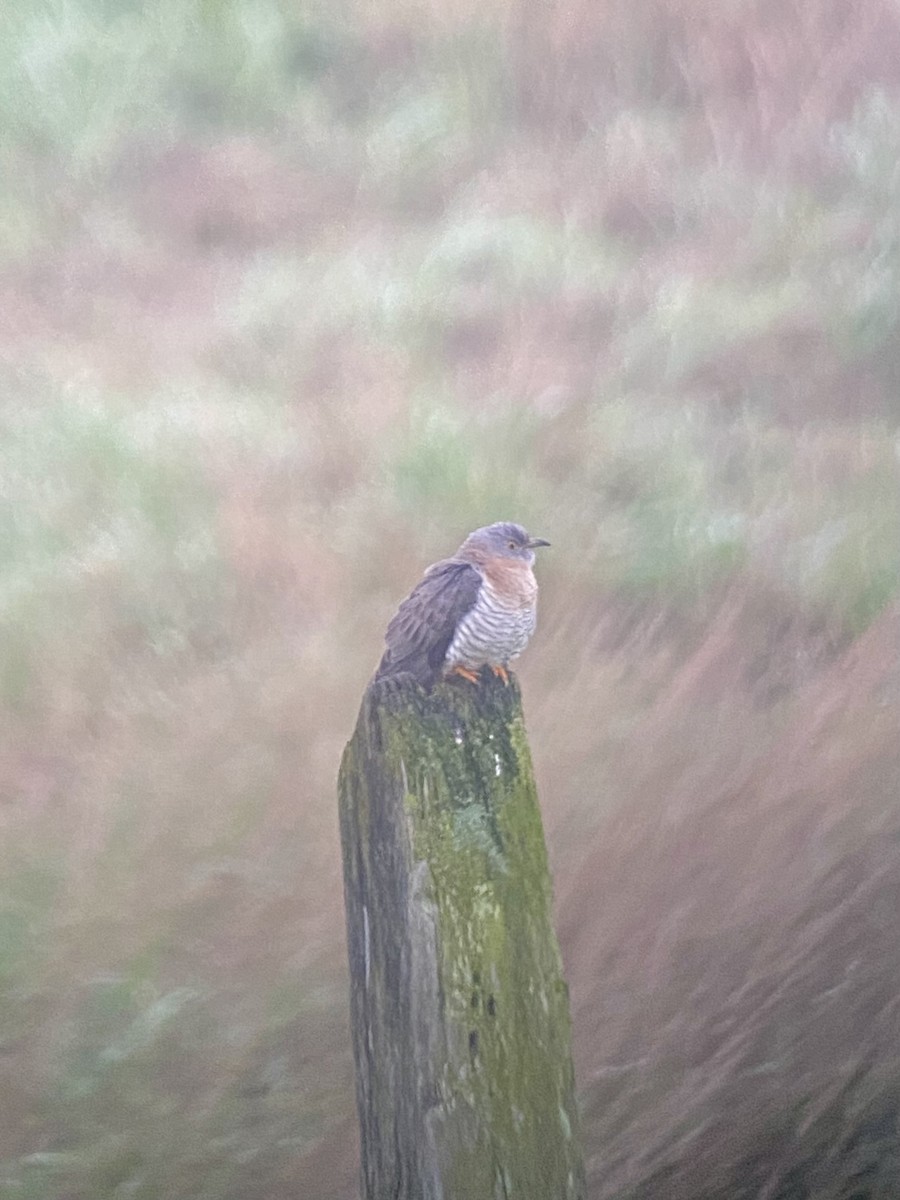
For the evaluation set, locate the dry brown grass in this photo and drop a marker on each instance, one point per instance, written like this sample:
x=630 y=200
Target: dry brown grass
x=750 y=71
x=731 y=936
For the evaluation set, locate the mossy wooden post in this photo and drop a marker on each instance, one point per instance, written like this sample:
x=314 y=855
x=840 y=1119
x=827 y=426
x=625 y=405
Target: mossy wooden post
x=459 y=1010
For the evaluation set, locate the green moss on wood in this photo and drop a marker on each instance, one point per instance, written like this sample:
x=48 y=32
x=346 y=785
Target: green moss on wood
x=461 y=1018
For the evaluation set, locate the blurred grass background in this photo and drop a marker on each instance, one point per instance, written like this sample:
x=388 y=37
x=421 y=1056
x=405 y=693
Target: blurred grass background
x=294 y=295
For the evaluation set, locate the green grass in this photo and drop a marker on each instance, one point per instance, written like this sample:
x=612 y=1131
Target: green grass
x=294 y=298
x=105 y=523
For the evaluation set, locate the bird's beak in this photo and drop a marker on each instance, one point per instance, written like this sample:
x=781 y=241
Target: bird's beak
x=533 y=543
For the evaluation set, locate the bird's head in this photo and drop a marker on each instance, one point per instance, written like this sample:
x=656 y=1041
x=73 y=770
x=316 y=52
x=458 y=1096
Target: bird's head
x=501 y=540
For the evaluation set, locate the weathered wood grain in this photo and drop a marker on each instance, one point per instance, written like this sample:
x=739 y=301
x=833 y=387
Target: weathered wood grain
x=459 y=1010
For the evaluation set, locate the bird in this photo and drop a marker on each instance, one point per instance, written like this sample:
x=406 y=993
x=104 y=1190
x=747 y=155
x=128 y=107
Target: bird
x=477 y=608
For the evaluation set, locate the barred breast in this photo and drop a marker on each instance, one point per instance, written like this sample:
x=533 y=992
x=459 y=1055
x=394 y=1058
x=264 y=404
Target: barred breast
x=495 y=630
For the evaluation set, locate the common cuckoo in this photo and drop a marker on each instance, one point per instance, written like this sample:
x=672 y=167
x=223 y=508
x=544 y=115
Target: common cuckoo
x=475 y=609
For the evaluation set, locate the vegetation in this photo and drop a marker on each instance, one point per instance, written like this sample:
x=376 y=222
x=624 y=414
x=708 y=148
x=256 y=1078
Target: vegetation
x=293 y=297
x=460 y=1015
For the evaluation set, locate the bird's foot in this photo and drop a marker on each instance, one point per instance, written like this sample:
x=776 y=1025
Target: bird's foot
x=501 y=672
x=472 y=676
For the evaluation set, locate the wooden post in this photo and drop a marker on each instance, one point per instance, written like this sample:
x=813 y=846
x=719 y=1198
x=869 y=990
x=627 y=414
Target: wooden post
x=459 y=1010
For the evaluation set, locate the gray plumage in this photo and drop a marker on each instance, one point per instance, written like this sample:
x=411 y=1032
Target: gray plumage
x=478 y=607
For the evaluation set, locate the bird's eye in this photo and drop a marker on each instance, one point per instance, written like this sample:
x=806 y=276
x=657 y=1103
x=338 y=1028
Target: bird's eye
x=513 y=545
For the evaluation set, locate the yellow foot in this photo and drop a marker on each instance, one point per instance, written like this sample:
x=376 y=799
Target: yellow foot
x=472 y=676
x=501 y=673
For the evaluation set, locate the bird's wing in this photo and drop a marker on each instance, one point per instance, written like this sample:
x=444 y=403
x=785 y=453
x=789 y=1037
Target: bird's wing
x=422 y=629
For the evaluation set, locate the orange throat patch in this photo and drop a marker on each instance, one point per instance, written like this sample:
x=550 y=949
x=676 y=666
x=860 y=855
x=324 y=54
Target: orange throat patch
x=513 y=580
